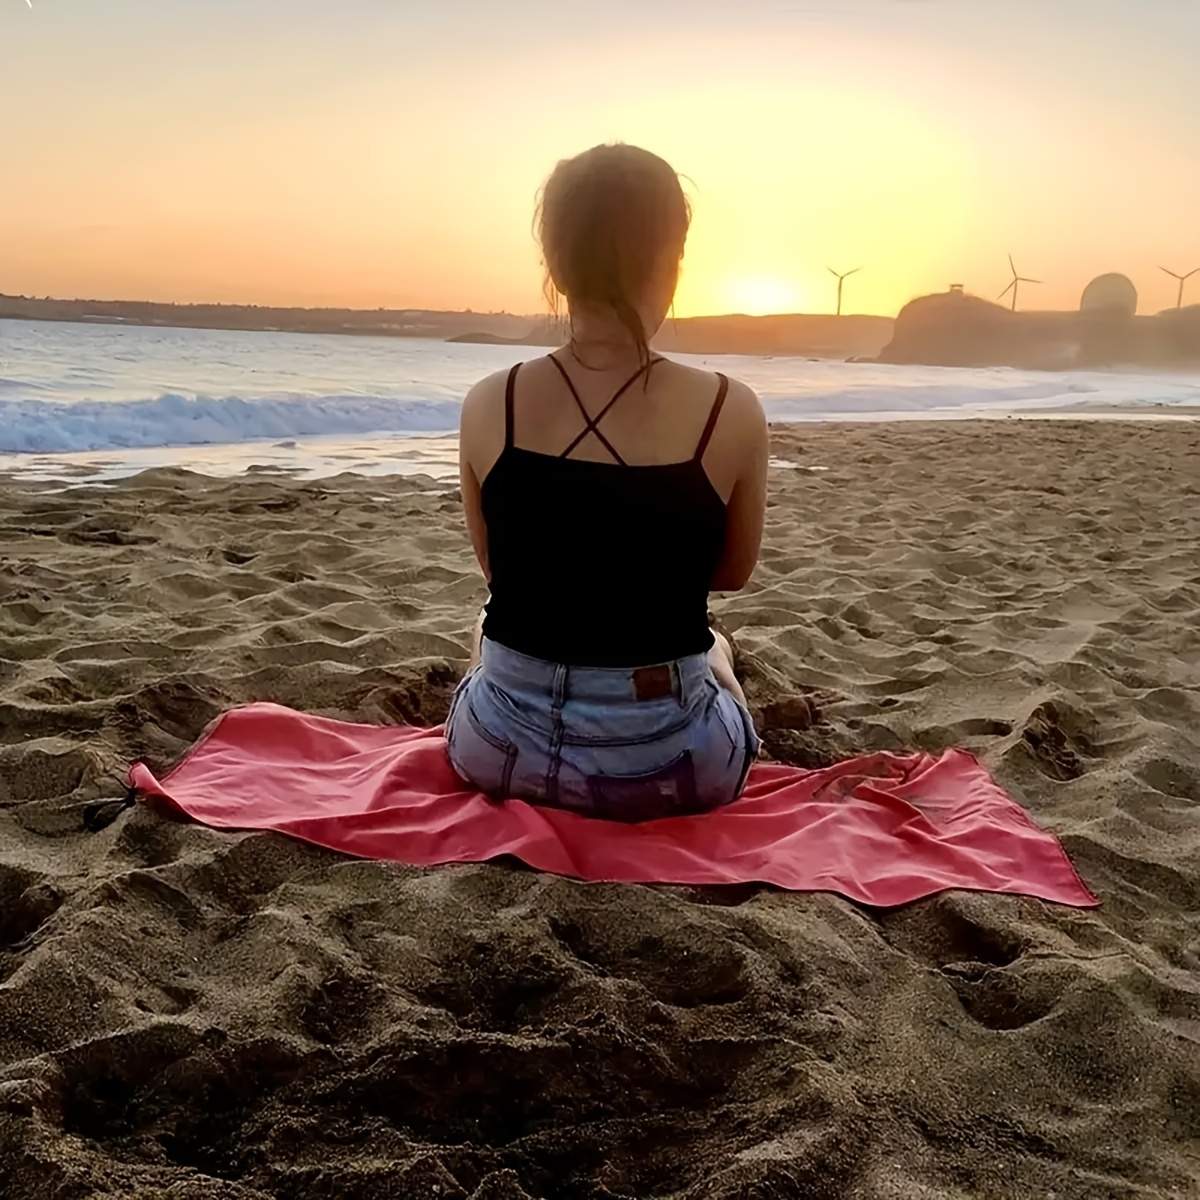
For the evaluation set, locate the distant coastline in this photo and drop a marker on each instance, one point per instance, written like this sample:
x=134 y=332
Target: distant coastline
x=944 y=329
x=380 y=322
x=802 y=335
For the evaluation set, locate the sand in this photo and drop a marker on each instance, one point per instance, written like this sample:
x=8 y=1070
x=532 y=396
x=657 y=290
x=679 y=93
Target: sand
x=201 y=1015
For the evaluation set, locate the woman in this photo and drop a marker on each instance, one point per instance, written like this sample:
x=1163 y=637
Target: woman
x=607 y=490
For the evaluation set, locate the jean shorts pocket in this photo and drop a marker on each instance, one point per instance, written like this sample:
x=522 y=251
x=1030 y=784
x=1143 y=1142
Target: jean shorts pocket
x=481 y=758
x=669 y=791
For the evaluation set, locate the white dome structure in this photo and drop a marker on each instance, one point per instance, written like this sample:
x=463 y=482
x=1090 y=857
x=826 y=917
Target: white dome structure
x=1111 y=294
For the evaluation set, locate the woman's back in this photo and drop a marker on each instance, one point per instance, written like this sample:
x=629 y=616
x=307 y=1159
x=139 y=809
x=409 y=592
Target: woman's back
x=605 y=505
x=604 y=562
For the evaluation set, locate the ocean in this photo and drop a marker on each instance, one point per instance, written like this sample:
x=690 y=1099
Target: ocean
x=84 y=400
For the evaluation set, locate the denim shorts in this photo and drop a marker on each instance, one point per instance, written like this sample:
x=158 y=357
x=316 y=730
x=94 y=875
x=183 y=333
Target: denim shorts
x=623 y=744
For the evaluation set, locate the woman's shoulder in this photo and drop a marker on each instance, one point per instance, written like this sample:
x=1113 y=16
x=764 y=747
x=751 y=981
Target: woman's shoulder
x=488 y=388
x=703 y=379
x=740 y=402
x=484 y=401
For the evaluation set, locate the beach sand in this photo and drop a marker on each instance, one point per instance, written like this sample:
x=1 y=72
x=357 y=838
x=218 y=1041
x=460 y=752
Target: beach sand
x=196 y=1015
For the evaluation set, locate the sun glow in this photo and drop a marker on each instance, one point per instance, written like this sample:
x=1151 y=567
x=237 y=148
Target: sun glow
x=761 y=295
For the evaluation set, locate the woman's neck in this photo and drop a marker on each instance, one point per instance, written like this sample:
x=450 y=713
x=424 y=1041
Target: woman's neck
x=601 y=343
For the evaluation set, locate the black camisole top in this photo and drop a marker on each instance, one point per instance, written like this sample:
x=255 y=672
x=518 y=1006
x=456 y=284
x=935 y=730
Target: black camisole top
x=601 y=564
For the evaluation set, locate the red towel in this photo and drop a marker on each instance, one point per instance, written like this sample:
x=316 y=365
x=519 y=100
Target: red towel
x=883 y=830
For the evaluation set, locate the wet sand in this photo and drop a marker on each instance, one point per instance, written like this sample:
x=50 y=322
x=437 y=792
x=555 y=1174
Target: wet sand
x=201 y=1015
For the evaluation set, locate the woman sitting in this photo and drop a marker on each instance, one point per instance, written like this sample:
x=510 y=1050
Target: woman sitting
x=607 y=491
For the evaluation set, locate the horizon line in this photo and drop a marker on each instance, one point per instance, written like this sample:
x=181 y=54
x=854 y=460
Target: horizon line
x=456 y=312
x=467 y=312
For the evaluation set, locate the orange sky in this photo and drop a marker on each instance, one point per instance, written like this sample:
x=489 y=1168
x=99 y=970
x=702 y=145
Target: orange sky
x=374 y=153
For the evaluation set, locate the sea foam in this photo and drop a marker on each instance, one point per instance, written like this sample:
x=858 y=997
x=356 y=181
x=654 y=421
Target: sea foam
x=49 y=427
x=84 y=388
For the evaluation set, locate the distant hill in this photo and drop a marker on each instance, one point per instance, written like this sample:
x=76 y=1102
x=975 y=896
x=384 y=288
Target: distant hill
x=951 y=329
x=798 y=334
x=805 y=334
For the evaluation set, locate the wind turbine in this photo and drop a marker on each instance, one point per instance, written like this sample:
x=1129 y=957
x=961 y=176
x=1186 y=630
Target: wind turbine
x=1015 y=286
x=841 y=279
x=1182 y=280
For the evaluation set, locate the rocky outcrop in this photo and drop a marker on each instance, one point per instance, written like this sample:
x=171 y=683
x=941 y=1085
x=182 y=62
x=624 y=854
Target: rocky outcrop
x=957 y=330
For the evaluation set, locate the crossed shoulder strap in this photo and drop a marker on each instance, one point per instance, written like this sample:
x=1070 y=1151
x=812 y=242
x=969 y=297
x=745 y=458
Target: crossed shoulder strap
x=591 y=423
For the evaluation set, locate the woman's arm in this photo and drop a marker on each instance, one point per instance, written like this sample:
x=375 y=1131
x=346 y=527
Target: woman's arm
x=748 y=444
x=479 y=441
x=473 y=511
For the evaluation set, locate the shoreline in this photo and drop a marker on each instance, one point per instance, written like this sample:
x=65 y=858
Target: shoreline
x=435 y=455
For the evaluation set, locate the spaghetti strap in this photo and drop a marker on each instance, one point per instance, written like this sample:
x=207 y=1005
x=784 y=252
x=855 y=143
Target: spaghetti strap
x=722 y=390
x=510 y=391
x=567 y=380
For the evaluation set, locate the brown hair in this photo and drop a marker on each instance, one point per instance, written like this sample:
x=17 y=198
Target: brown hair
x=607 y=219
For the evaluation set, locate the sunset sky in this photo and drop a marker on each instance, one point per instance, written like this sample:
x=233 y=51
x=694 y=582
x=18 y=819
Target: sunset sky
x=387 y=152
